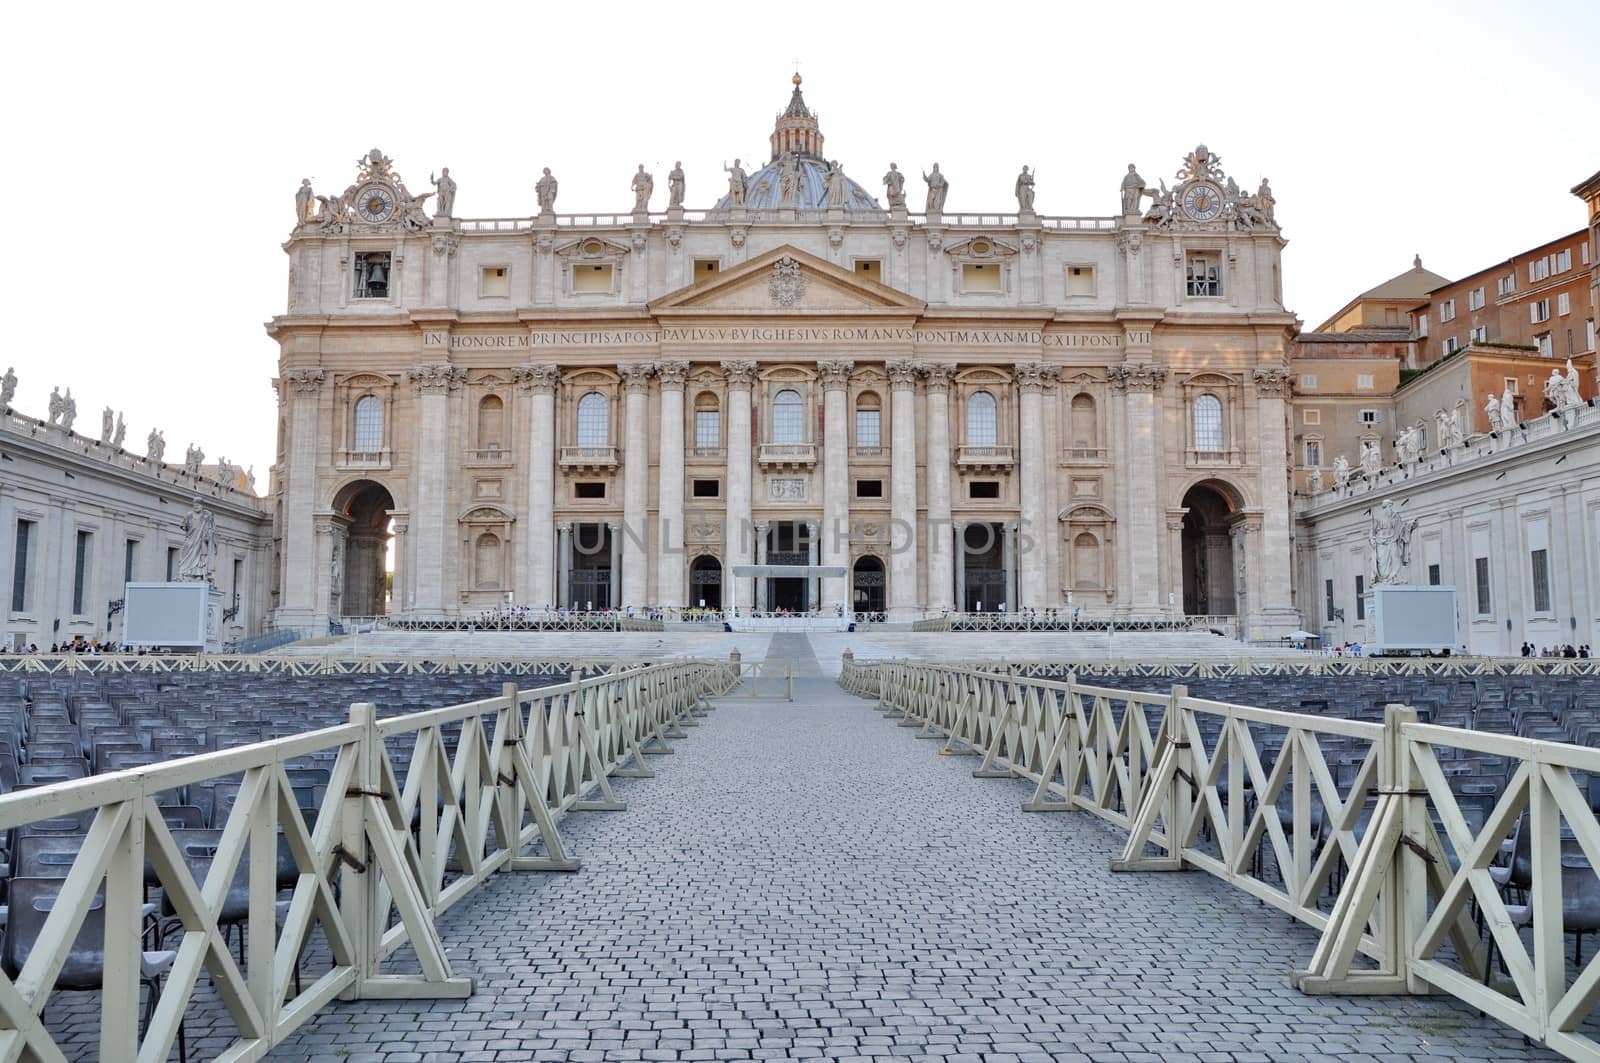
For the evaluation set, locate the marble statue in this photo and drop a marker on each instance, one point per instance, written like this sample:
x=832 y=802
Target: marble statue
x=1405 y=446
x=303 y=198
x=545 y=189
x=835 y=185
x=894 y=182
x=56 y=405
x=1457 y=428
x=108 y=424
x=224 y=472
x=197 y=556
x=1132 y=191
x=938 y=188
x=192 y=459
x=331 y=214
x=1371 y=460
x=1163 y=205
x=1491 y=409
x=1574 y=392
x=1024 y=192
x=1508 y=411
x=1444 y=427
x=736 y=180
x=789 y=180
x=119 y=434
x=250 y=479
x=1266 y=203
x=415 y=216
x=155 y=447
x=445 y=186
x=1555 y=390
x=69 y=410
x=1391 y=543
x=643 y=184
x=1341 y=471
x=8 y=387
x=1314 y=481
x=675 y=187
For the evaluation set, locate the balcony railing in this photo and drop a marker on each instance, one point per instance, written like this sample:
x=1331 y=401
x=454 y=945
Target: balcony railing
x=366 y=459
x=985 y=457
x=788 y=455
x=1215 y=457
x=589 y=457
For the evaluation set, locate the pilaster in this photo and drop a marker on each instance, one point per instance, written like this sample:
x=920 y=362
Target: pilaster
x=835 y=530
x=670 y=574
x=736 y=547
x=903 y=567
x=539 y=383
x=942 y=585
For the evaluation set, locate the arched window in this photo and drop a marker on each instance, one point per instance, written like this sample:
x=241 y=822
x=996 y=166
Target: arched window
x=707 y=421
x=983 y=420
x=1085 y=426
x=788 y=417
x=869 y=420
x=1208 y=423
x=1086 y=571
x=491 y=423
x=369 y=423
x=594 y=417
x=488 y=561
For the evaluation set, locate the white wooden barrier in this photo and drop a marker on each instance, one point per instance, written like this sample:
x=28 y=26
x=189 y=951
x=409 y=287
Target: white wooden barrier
x=518 y=760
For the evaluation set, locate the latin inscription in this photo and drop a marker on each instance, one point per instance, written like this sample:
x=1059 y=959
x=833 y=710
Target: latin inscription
x=789 y=334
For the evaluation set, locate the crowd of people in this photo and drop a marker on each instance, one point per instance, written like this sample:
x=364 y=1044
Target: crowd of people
x=1569 y=650
x=77 y=645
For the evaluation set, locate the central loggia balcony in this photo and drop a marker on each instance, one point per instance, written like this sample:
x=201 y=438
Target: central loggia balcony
x=588 y=457
x=985 y=458
x=787 y=455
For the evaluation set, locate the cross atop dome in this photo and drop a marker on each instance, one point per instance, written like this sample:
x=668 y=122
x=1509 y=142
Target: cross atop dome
x=796 y=128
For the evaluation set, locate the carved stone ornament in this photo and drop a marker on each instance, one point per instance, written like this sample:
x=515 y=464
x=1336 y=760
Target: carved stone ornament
x=899 y=237
x=741 y=374
x=902 y=373
x=674 y=237
x=835 y=374
x=835 y=237
x=444 y=245
x=636 y=375
x=436 y=378
x=1033 y=378
x=938 y=376
x=1271 y=381
x=788 y=283
x=1142 y=377
x=538 y=379
x=672 y=374
x=736 y=237
x=1130 y=243
x=304 y=381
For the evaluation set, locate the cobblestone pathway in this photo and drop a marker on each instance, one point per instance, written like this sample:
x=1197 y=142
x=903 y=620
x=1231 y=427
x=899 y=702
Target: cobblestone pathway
x=808 y=881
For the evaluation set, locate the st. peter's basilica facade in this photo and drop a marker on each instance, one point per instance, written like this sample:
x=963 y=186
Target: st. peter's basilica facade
x=959 y=411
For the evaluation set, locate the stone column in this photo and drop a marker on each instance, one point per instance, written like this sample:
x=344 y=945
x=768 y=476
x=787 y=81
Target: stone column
x=813 y=590
x=1139 y=384
x=636 y=486
x=835 y=478
x=431 y=482
x=539 y=383
x=903 y=492
x=960 y=530
x=1270 y=596
x=300 y=390
x=1009 y=560
x=563 y=563
x=736 y=544
x=761 y=559
x=615 y=528
x=941 y=593
x=1032 y=379
x=670 y=575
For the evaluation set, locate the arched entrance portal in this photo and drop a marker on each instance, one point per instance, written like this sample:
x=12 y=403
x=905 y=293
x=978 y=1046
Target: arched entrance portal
x=705 y=583
x=868 y=586
x=367 y=506
x=1208 y=561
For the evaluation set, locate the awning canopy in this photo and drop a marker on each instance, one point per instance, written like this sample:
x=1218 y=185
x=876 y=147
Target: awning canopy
x=788 y=571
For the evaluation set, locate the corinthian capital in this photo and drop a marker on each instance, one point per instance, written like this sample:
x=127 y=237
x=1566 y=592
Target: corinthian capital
x=303 y=381
x=1271 y=381
x=938 y=375
x=1033 y=377
x=436 y=378
x=672 y=374
x=902 y=373
x=539 y=379
x=741 y=374
x=835 y=374
x=636 y=375
x=1139 y=377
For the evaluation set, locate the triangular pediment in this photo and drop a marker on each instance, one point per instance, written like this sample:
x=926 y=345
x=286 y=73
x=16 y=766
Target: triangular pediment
x=785 y=281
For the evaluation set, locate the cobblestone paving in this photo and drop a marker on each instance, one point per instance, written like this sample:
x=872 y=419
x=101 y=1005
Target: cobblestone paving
x=808 y=881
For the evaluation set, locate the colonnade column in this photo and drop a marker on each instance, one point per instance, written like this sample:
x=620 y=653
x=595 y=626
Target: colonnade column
x=635 y=486
x=903 y=491
x=670 y=574
x=736 y=532
x=300 y=390
x=615 y=528
x=539 y=381
x=1032 y=379
x=1139 y=384
x=433 y=384
x=835 y=479
x=1274 y=575
x=563 y=563
x=941 y=592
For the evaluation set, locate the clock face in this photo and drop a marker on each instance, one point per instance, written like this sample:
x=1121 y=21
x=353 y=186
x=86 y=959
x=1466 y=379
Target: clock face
x=375 y=203
x=1202 y=202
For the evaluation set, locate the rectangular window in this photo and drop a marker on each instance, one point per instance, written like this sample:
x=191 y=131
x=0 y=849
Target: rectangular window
x=589 y=490
x=1475 y=299
x=1313 y=453
x=1479 y=334
x=1447 y=311
x=371 y=274
x=1080 y=280
x=130 y=551
x=1361 y=601
x=1311 y=416
x=1327 y=592
x=1422 y=326
x=870 y=268
x=1203 y=275
x=707 y=489
x=1588 y=335
x=1308 y=381
x=80 y=571
x=494 y=282
x=1546 y=347
x=1369 y=416
x=238 y=578
x=592 y=279
x=1563 y=304
x=1433 y=575
x=708 y=428
x=869 y=488
x=1508 y=284
x=1563 y=260
x=1539 y=310
x=1541 y=581
x=983 y=489
x=980 y=277
x=1539 y=268
x=19 y=567
x=1364 y=381
x=1480 y=572
x=172 y=563
x=706 y=267
x=869 y=428
x=1450 y=345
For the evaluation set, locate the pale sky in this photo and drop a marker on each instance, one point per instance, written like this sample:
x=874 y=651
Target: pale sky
x=154 y=149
